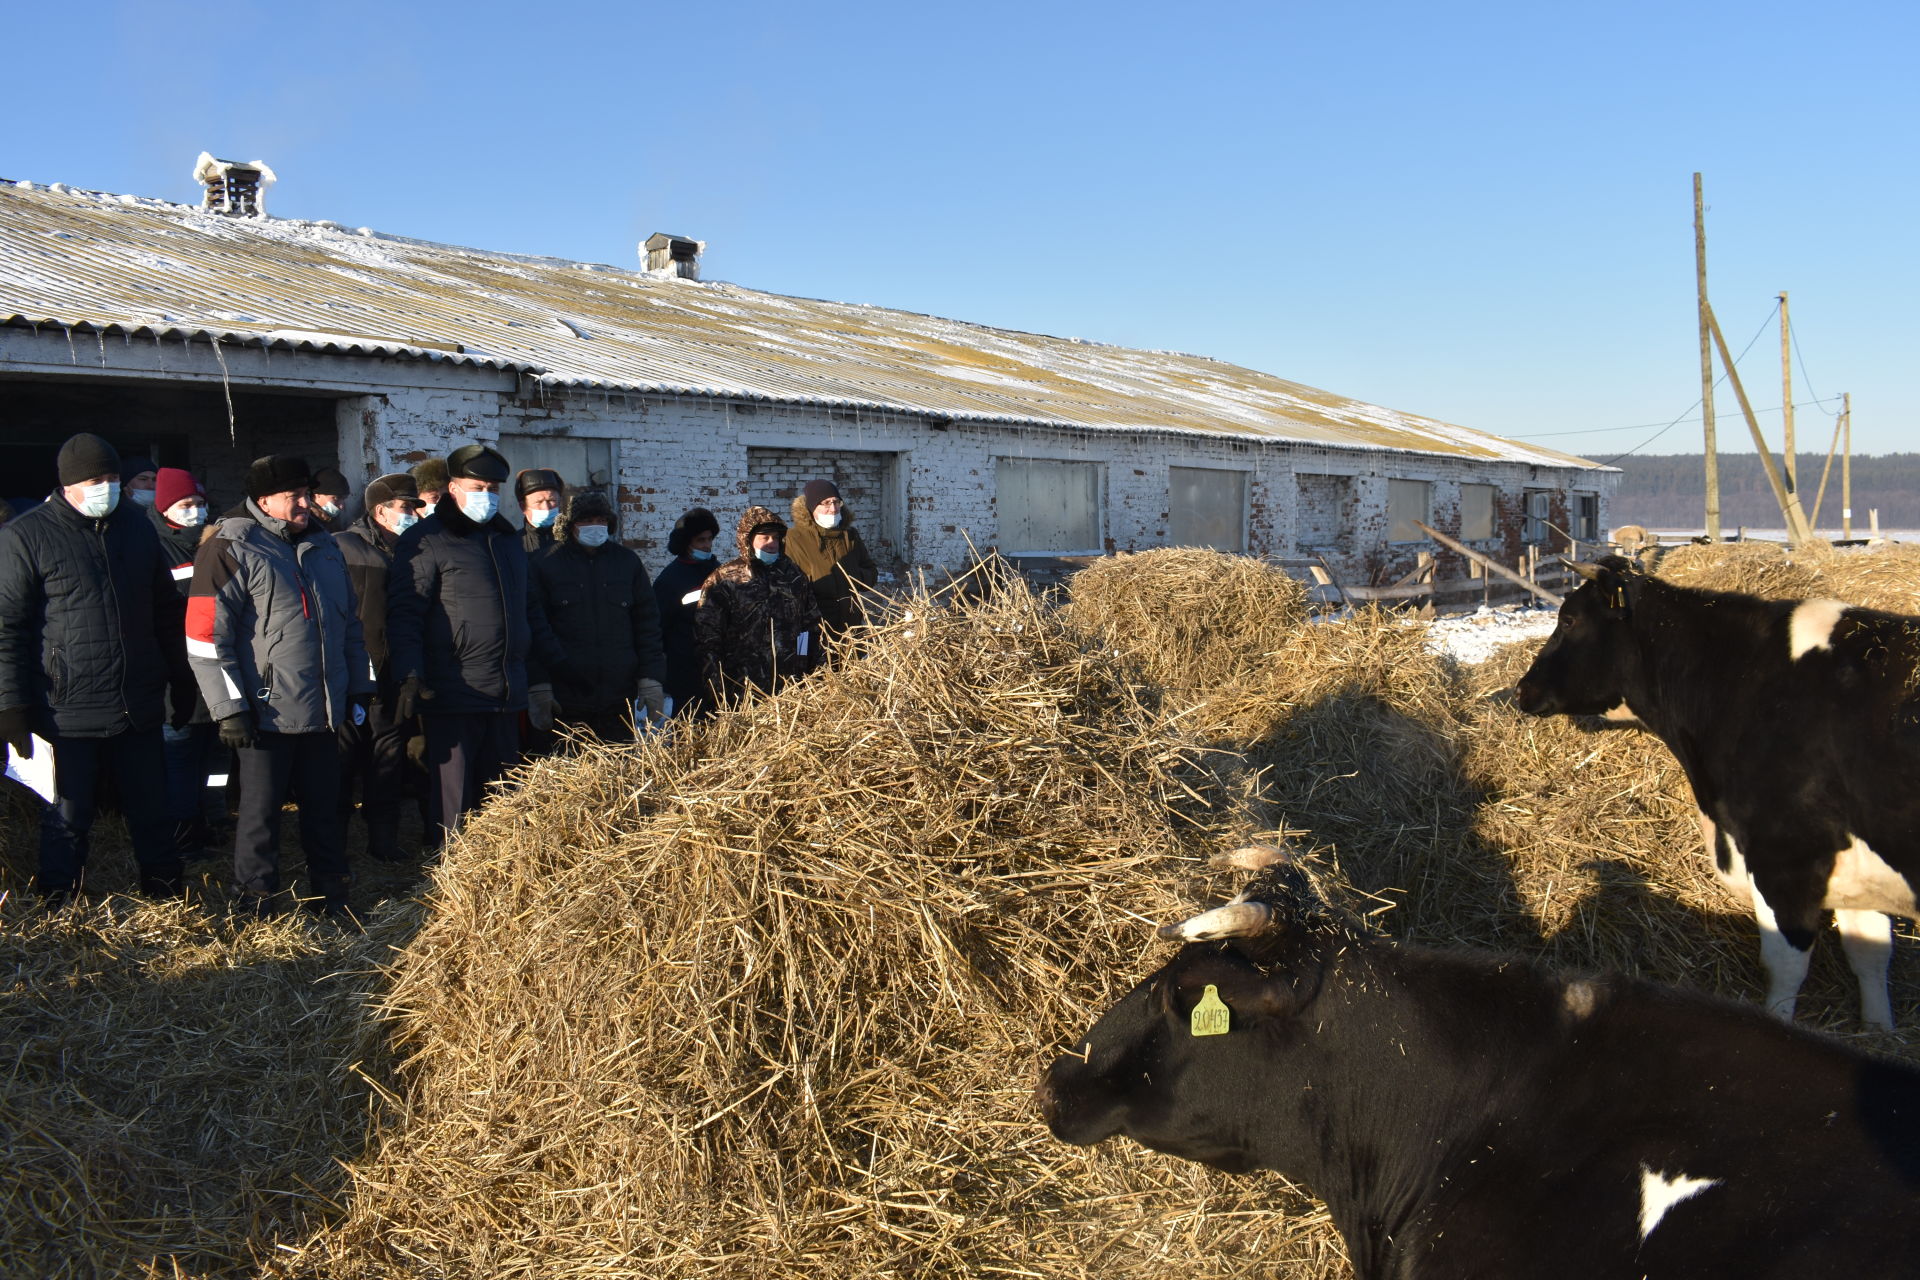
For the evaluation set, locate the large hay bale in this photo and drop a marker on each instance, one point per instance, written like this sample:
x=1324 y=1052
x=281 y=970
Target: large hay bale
x=768 y=998
x=1190 y=619
x=1884 y=577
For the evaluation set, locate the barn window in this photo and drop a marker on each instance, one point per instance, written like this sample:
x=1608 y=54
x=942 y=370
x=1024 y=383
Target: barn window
x=1536 y=528
x=1586 y=517
x=1323 y=511
x=1047 y=507
x=1408 y=501
x=583 y=462
x=1207 y=508
x=1476 y=512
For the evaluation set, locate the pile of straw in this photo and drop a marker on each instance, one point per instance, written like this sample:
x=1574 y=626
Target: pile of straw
x=1886 y=577
x=179 y=1091
x=767 y=997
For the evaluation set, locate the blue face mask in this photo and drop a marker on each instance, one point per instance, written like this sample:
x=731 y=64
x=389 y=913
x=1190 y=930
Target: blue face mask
x=767 y=556
x=698 y=554
x=479 y=507
x=543 y=519
x=593 y=535
x=405 y=521
x=98 y=500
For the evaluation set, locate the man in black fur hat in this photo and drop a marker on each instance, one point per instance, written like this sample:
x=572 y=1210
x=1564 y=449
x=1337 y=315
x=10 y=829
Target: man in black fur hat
x=467 y=644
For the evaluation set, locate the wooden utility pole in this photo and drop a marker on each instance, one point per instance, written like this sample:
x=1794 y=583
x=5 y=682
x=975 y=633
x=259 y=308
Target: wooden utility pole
x=1706 y=363
x=1786 y=393
x=1820 y=495
x=1846 y=467
x=1797 y=531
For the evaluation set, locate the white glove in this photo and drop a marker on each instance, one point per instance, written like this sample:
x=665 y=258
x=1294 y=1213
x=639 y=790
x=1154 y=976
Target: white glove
x=540 y=706
x=653 y=696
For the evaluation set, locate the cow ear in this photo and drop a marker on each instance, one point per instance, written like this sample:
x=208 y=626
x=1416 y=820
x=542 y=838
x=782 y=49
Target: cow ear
x=1262 y=993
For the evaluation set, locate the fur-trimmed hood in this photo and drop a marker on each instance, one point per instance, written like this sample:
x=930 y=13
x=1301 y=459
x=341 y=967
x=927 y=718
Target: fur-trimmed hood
x=750 y=519
x=587 y=504
x=803 y=515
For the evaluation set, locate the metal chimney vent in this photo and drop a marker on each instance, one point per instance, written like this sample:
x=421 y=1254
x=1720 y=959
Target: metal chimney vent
x=234 y=188
x=674 y=255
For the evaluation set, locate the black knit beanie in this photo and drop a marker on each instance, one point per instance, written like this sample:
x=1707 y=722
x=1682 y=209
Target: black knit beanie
x=688 y=527
x=277 y=473
x=86 y=456
x=818 y=491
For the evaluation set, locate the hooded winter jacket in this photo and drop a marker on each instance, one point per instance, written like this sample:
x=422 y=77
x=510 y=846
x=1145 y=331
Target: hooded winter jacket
x=600 y=605
x=754 y=618
x=271 y=626
x=91 y=628
x=834 y=560
x=462 y=616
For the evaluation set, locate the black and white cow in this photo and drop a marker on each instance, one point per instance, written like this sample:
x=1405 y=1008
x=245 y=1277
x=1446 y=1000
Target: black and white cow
x=1798 y=726
x=1464 y=1116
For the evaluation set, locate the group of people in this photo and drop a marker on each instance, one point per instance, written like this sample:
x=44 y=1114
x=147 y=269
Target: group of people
x=416 y=651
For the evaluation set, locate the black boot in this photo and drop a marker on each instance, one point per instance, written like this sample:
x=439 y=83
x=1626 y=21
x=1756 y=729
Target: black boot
x=383 y=842
x=162 y=881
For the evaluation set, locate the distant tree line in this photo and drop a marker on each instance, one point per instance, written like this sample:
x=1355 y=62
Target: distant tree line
x=1670 y=491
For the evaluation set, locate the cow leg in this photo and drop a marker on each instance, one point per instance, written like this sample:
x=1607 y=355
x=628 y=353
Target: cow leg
x=1867 y=937
x=1786 y=964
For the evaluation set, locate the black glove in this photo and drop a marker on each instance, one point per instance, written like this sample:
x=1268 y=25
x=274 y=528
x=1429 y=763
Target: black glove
x=183 y=697
x=17 y=730
x=412 y=694
x=237 y=731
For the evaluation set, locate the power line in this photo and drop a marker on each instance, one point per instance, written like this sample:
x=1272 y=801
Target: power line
x=1699 y=401
x=1642 y=426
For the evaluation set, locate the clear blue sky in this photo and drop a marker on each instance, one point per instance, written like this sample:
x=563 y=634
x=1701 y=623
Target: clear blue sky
x=1480 y=212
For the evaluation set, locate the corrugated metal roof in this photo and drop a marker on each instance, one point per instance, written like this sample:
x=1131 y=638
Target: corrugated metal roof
x=125 y=263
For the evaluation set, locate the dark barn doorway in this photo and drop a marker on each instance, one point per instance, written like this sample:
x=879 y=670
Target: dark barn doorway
x=177 y=425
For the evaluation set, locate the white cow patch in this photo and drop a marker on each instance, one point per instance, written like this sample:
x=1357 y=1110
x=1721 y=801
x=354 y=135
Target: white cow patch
x=1812 y=626
x=1659 y=1193
x=1579 y=999
x=1620 y=713
x=1862 y=881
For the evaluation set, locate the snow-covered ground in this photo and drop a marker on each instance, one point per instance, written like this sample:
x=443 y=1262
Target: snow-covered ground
x=1473 y=637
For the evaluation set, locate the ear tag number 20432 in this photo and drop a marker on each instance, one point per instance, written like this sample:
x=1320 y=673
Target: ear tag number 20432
x=1211 y=1016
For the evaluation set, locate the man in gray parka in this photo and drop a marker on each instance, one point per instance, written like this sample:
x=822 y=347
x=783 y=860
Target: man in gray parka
x=276 y=645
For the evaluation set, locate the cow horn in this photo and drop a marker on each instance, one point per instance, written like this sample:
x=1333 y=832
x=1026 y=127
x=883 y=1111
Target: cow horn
x=1591 y=572
x=1235 y=920
x=1253 y=857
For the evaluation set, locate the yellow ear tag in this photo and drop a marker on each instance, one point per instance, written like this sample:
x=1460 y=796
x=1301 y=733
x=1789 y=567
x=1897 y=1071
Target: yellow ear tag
x=1211 y=1016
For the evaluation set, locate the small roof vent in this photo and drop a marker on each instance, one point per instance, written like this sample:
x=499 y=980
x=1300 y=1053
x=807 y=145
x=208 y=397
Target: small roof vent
x=234 y=188
x=673 y=255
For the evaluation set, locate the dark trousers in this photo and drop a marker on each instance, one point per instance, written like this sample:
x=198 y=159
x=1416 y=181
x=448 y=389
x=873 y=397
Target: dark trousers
x=373 y=761
x=306 y=764
x=134 y=760
x=189 y=754
x=465 y=751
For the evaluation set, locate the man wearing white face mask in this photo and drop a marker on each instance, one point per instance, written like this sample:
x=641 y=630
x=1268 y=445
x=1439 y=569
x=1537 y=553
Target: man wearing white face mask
x=179 y=514
x=330 y=489
x=541 y=493
x=677 y=593
x=374 y=752
x=829 y=550
x=91 y=637
x=599 y=601
x=466 y=638
x=137 y=479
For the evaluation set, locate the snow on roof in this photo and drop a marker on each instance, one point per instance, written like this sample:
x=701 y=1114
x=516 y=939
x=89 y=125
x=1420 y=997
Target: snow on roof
x=119 y=263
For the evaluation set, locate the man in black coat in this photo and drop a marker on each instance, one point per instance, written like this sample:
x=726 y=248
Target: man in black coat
x=92 y=635
x=465 y=637
x=599 y=601
x=374 y=754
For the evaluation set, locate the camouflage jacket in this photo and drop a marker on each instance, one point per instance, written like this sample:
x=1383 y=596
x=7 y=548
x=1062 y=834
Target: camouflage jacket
x=754 y=619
